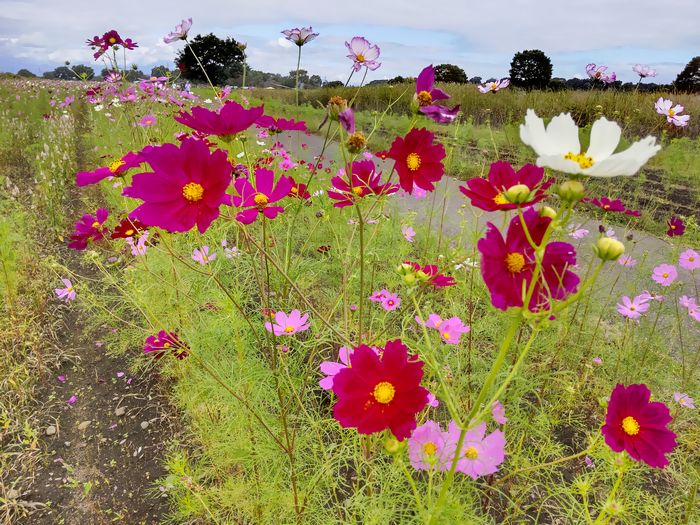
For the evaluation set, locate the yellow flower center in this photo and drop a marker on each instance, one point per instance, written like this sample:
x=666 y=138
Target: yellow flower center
x=112 y=40
x=116 y=165
x=289 y=329
x=633 y=308
x=384 y=392
x=357 y=190
x=295 y=189
x=630 y=426
x=413 y=161
x=69 y=289
x=671 y=112
x=665 y=275
x=446 y=335
x=515 y=262
x=471 y=453
x=95 y=224
x=360 y=58
x=357 y=141
x=500 y=199
x=129 y=232
x=691 y=259
x=261 y=199
x=193 y=191
x=494 y=85
x=429 y=448
x=583 y=161
x=424 y=98
x=166 y=345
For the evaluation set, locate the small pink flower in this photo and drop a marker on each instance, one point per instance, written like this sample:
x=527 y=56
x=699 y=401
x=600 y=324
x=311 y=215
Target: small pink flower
x=672 y=113
x=498 y=412
x=201 y=255
x=408 y=233
x=391 y=301
x=589 y=462
x=452 y=329
x=72 y=400
x=632 y=309
x=432 y=400
x=684 y=400
x=579 y=233
x=180 y=32
x=480 y=454
x=686 y=302
x=288 y=324
x=378 y=296
x=66 y=294
x=664 y=274
x=690 y=260
x=62 y=379
x=597 y=361
x=627 y=261
x=647 y=296
x=139 y=247
x=430 y=447
x=147 y=121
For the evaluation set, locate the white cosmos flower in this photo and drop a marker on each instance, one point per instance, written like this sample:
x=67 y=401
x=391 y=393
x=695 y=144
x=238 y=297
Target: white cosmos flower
x=558 y=147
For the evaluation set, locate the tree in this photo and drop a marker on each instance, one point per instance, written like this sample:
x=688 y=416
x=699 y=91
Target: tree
x=315 y=81
x=475 y=80
x=333 y=84
x=160 y=71
x=530 y=69
x=25 y=73
x=397 y=80
x=60 y=73
x=222 y=59
x=450 y=73
x=689 y=79
x=84 y=72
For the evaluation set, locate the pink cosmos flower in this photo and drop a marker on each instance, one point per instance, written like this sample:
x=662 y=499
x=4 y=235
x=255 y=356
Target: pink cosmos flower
x=480 y=454
x=229 y=120
x=646 y=295
x=408 y=233
x=362 y=53
x=89 y=229
x=672 y=113
x=66 y=102
x=627 y=261
x=452 y=329
x=632 y=308
x=72 y=400
x=684 y=400
x=431 y=275
x=147 y=120
x=347 y=120
x=288 y=324
x=499 y=413
x=429 y=447
x=165 y=342
x=66 y=294
x=390 y=301
x=597 y=361
x=579 y=233
x=378 y=296
x=665 y=274
x=139 y=247
x=689 y=260
x=366 y=181
x=496 y=85
x=279 y=125
x=257 y=199
x=201 y=255
x=117 y=168
x=180 y=32
x=644 y=71
x=300 y=36
x=676 y=227
x=599 y=73
x=686 y=302
x=427 y=94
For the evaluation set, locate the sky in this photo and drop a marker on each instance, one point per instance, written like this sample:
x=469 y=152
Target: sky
x=480 y=37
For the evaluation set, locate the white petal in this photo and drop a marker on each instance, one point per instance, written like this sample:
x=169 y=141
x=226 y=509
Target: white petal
x=627 y=162
x=533 y=133
x=562 y=135
x=605 y=136
x=559 y=163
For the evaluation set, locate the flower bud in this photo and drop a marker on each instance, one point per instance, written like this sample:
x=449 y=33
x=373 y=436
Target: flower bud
x=356 y=142
x=335 y=106
x=393 y=445
x=571 y=191
x=518 y=194
x=609 y=249
x=546 y=211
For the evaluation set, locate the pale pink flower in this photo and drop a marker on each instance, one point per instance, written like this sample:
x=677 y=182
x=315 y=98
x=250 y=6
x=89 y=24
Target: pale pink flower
x=480 y=454
x=391 y=301
x=66 y=294
x=201 y=255
x=496 y=85
x=300 y=36
x=647 y=296
x=288 y=324
x=644 y=71
x=664 y=274
x=579 y=233
x=598 y=361
x=690 y=260
x=686 y=302
x=147 y=120
x=378 y=296
x=632 y=308
x=180 y=32
x=139 y=247
x=430 y=447
x=452 y=329
x=684 y=400
x=626 y=261
x=408 y=233
x=672 y=113
x=362 y=53
x=498 y=412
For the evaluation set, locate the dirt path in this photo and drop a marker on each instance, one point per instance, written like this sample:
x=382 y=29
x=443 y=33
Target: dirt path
x=105 y=431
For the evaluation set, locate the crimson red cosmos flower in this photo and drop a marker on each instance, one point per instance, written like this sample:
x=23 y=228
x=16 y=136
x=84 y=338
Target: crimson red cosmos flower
x=259 y=197
x=187 y=186
x=160 y=344
x=608 y=205
x=299 y=190
x=676 y=227
x=232 y=118
x=377 y=393
x=508 y=263
x=418 y=160
x=128 y=228
x=280 y=125
x=490 y=195
x=638 y=426
x=88 y=228
x=365 y=181
x=118 y=167
x=434 y=277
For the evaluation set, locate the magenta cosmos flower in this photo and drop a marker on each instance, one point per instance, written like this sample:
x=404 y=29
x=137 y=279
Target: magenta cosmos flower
x=508 y=263
x=480 y=454
x=611 y=205
x=638 y=426
x=362 y=53
x=257 y=199
x=365 y=181
x=279 y=125
x=231 y=119
x=186 y=187
x=180 y=32
x=664 y=274
x=300 y=36
x=427 y=94
x=66 y=294
x=418 y=159
x=117 y=168
x=633 y=308
x=429 y=274
x=288 y=324
x=496 y=85
x=689 y=260
x=672 y=113
x=165 y=342
x=89 y=229
x=390 y=301
x=430 y=447
x=492 y=194
x=676 y=227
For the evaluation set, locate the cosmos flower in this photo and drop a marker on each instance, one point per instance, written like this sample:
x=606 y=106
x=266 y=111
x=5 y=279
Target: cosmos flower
x=117 y=168
x=331 y=368
x=279 y=125
x=257 y=199
x=638 y=426
x=165 y=342
x=376 y=393
x=610 y=205
x=558 y=147
x=579 y=233
x=441 y=114
x=299 y=190
x=408 y=233
x=430 y=447
x=676 y=227
x=632 y=308
x=684 y=400
x=201 y=255
x=300 y=36
x=365 y=181
x=429 y=274
x=147 y=120
x=390 y=301
x=427 y=94
x=496 y=85
x=288 y=324
x=362 y=53
x=664 y=274
x=498 y=412
x=418 y=160
x=480 y=454
x=66 y=294
x=186 y=188
x=627 y=261
x=127 y=228
x=689 y=260
x=599 y=73
x=644 y=71
x=229 y=120
x=452 y=329
x=507 y=265
x=672 y=113
x=89 y=229
x=180 y=32
x=139 y=247
x=496 y=193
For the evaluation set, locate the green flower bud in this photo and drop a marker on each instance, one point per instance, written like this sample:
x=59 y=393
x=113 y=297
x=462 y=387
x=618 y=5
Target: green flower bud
x=546 y=211
x=571 y=191
x=609 y=249
x=393 y=445
x=518 y=194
